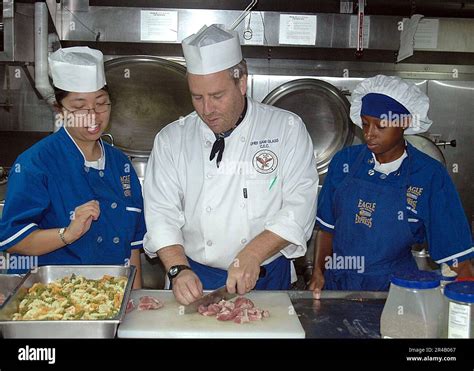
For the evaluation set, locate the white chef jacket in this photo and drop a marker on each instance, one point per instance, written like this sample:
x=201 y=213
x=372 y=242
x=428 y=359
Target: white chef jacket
x=267 y=180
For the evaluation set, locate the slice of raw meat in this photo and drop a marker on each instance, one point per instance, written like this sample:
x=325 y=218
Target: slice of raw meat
x=243 y=317
x=227 y=315
x=202 y=309
x=243 y=303
x=130 y=306
x=149 y=303
x=210 y=310
x=254 y=314
x=242 y=310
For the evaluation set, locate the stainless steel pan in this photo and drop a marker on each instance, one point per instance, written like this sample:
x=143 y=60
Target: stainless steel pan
x=66 y=328
x=325 y=112
x=427 y=146
x=147 y=93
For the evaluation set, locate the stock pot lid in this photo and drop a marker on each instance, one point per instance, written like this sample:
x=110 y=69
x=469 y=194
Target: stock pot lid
x=147 y=93
x=426 y=146
x=325 y=112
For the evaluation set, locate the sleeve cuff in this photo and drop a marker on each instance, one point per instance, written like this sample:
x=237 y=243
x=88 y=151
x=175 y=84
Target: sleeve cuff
x=136 y=245
x=152 y=243
x=459 y=257
x=18 y=236
x=291 y=232
x=324 y=225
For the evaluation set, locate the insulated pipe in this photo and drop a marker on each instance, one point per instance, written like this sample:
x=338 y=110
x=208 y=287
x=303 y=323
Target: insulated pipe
x=41 y=53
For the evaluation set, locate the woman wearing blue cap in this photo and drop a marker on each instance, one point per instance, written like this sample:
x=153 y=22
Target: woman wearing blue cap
x=382 y=197
x=73 y=199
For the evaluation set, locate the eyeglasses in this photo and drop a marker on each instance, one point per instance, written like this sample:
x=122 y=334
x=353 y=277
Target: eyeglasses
x=83 y=112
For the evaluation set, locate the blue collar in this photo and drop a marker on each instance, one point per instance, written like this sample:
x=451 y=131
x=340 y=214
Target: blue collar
x=72 y=149
x=369 y=160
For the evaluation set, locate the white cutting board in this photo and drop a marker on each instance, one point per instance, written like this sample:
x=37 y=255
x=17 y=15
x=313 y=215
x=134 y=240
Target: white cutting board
x=168 y=322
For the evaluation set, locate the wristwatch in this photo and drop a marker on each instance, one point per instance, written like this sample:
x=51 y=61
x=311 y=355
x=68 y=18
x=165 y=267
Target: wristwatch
x=175 y=269
x=61 y=235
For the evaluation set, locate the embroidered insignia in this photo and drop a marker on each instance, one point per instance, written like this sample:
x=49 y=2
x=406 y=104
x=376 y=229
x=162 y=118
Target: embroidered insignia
x=364 y=216
x=265 y=161
x=412 y=196
x=126 y=185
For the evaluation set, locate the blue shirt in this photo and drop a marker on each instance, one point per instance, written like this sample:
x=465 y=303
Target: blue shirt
x=434 y=210
x=49 y=180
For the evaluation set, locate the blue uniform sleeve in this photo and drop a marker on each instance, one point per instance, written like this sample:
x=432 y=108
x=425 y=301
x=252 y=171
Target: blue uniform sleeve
x=140 y=230
x=137 y=242
x=448 y=234
x=338 y=168
x=26 y=201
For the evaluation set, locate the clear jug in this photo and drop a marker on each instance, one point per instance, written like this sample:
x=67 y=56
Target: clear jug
x=414 y=307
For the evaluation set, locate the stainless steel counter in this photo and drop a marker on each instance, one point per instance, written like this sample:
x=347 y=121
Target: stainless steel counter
x=339 y=314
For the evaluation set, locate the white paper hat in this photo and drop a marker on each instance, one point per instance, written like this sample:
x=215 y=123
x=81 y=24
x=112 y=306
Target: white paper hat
x=404 y=92
x=77 y=69
x=211 y=49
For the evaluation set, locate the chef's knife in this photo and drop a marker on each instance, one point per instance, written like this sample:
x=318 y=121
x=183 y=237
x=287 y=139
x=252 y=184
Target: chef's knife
x=215 y=296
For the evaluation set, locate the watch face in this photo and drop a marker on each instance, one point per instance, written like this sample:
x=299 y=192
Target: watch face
x=174 y=271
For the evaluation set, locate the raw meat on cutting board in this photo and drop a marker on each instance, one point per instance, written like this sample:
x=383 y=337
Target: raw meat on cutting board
x=172 y=322
x=144 y=303
x=242 y=310
x=149 y=303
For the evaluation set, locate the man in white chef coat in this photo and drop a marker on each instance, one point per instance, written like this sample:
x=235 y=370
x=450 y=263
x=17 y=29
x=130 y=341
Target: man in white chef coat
x=232 y=186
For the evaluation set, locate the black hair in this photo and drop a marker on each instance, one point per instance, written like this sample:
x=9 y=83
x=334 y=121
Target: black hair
x=61 y=94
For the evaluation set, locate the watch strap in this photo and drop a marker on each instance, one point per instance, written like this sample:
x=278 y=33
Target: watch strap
x=176 y=269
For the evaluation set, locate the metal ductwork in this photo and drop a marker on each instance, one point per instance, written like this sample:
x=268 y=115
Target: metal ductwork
x=41 y=53
x=6 y=31
x=100 y=24
x=405 y=8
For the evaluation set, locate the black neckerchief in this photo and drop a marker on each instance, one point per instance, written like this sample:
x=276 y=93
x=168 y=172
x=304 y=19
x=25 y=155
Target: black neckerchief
x=219 y=144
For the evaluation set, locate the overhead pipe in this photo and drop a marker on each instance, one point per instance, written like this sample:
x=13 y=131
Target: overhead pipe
x=41 y=53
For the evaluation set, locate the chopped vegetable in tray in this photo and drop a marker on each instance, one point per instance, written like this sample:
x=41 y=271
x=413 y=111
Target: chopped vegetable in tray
x=73 y=298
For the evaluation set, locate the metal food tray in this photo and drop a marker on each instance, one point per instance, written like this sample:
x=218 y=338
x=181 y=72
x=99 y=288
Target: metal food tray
x=9 y=283
x=64 y=328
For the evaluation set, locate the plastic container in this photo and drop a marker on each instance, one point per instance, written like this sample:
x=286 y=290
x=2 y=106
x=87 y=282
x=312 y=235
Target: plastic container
x=460 y=296
x=414 y=306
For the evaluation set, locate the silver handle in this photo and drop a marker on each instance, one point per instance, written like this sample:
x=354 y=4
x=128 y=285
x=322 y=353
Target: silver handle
x=443 y=144
x=108 y=135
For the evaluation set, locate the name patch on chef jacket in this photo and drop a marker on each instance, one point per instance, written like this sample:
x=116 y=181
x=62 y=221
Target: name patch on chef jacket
x=265 y=161
x=364 y=215
x=264 y=143
x=127 y=188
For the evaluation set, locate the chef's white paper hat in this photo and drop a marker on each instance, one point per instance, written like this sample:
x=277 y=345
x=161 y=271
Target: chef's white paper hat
x=404 y=92
x=77 y=69
x=211 y=49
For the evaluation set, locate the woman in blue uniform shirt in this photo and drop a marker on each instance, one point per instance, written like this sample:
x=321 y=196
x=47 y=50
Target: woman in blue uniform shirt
x=73 y=199
x=382 y=197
